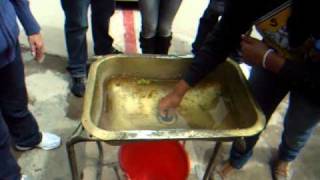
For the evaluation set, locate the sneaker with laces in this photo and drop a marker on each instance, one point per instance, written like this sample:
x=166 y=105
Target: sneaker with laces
x=49 y=141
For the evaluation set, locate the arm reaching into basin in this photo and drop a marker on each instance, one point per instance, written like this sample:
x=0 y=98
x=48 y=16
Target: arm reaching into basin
x=273 y=74
x=174 y=98
x=219 y=42
x=226 y=37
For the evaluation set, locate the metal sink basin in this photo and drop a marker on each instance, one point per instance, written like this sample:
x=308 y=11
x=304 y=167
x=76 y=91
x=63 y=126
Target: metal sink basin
x=123 y=92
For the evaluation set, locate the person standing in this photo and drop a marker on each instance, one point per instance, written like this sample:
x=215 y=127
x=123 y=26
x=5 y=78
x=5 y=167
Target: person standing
x=16 y=121
x=76 y=25
x=156 y=31
x=281 y=64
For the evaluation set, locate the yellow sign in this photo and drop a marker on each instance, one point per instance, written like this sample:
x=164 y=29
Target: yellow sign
x=273 y=28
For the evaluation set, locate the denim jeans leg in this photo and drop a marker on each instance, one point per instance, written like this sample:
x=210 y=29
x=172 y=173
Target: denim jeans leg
x=299 y=123
x=22 y=125
x=76 y=25
x=268 y=92
x=9 y=168
x=101 y=12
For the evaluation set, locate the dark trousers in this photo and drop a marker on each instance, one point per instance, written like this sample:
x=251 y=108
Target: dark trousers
x=76 y=25
x=16 y=121
x=301 y=117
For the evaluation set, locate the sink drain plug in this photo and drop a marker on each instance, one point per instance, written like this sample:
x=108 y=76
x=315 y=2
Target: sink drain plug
x=168 y=118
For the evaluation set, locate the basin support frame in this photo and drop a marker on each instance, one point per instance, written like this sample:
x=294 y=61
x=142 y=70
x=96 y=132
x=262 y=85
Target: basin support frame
x=77 y=137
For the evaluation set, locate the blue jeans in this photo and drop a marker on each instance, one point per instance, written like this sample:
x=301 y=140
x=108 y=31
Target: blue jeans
x=301 y=117
x=76 y=25
x=15 y=118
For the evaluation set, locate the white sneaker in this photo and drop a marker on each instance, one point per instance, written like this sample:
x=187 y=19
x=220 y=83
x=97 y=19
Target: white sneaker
x=49 y=141
x=25 y=177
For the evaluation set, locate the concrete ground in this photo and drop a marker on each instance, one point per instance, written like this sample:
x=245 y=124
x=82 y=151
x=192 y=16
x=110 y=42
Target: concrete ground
x=58 y=111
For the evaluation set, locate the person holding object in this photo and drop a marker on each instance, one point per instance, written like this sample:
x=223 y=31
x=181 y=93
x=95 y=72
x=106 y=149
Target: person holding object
x=285 y=61
x=16 y=121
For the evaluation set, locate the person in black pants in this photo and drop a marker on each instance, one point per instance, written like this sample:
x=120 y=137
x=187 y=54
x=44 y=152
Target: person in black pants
x=274 y=73
x=76 y=25
x=18 y=126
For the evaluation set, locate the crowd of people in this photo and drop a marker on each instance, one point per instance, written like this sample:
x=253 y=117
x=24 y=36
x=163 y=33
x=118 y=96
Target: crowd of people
x=278 y=68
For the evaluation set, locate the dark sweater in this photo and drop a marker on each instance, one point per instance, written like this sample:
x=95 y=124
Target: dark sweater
x=238 y=17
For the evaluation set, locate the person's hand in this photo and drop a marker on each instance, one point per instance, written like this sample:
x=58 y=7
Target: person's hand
x=37 y=46
x=170 y=102
x=252 y=50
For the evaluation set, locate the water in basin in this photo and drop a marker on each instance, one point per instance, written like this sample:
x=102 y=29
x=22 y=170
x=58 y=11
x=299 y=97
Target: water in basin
x=132 y=104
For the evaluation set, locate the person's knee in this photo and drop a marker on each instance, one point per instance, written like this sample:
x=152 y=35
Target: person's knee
x=76 y=25
x=15 y=111
x=76 y=22
x=149 y=29
x=164 y=29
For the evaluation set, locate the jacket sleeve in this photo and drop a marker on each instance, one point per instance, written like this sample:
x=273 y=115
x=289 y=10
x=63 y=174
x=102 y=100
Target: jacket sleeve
x=224 y=38
x=25 y=16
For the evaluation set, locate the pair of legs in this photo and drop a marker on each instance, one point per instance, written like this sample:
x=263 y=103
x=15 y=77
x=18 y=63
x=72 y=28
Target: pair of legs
x=76 y=25
x=16 y=121
x=157 y=18
x=301 y=118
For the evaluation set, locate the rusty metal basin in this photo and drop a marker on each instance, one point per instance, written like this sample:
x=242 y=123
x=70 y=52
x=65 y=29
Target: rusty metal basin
x=123 y=92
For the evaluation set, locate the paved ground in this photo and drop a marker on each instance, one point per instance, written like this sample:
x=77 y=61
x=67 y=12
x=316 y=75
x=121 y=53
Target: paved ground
x=58 y=111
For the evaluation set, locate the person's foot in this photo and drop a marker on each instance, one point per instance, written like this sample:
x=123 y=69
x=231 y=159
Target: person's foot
x=280 y=170
x=78 y=87
x=49 y=141
x=223 y=171
x=25 y=177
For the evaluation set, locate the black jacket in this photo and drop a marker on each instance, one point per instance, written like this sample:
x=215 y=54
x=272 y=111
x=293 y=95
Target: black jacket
x=238 y=17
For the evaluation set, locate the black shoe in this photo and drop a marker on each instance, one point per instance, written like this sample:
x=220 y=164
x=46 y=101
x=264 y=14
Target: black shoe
x=78 y=86
x=147 y=45
x=163 y=44
x=114 y=51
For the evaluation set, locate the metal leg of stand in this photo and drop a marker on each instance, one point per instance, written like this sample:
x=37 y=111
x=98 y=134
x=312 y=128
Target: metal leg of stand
x=70 y=145
x=100 y=160
x=213 y=157
x=72 y=159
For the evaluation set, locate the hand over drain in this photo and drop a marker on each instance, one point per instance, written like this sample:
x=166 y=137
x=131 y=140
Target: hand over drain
x=168 y=117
